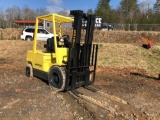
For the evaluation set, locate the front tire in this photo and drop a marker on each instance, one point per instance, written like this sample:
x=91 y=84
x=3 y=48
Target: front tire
x=57 y=78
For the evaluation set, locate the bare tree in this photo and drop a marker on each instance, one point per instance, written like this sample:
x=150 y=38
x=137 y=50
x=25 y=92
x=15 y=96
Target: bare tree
x=145 y=6
x=1 y=18
x=13 y=14
x=41 y=11
x=28 y=13
x=10 y=16
x=64 y=12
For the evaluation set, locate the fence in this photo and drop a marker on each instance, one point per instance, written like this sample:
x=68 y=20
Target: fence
x=137 y=27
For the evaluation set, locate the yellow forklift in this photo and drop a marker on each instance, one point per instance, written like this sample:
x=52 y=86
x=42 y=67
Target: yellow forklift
x=66 y=64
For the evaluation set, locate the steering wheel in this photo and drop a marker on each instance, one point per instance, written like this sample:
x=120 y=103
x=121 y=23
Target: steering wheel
x=65 y=37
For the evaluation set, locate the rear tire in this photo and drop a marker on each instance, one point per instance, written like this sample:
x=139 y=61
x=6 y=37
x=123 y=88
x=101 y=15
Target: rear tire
x=57 y=78
x=29 y=38
x=29 y=70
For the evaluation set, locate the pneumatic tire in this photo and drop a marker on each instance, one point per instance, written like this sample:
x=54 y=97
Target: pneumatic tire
x=29 y=38
x=57 y=78
x=29 y=70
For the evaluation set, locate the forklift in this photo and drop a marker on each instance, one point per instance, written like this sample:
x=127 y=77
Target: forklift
x=69 y=65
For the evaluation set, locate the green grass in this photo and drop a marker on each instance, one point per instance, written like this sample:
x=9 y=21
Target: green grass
x=128 y=55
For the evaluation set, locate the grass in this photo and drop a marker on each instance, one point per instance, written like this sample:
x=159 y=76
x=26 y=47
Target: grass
x=128 y=55
x=109 y=55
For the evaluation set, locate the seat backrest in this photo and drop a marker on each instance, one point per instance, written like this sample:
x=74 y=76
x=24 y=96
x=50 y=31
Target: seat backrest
x=50 y=45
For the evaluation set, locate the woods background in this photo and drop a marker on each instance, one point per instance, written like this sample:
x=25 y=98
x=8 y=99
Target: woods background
x=129 y=15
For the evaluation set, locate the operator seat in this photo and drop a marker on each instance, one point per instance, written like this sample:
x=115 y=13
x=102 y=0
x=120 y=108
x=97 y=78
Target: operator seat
x=50 y=45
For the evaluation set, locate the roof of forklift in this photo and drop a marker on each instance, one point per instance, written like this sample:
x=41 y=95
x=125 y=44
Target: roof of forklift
x=58 y=18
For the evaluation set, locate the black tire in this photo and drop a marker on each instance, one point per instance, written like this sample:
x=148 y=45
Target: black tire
x=29 y=38
x=57 y=78
x=29 y=70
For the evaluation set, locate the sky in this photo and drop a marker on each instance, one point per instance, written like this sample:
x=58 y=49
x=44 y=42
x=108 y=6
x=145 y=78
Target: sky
x=54 y=6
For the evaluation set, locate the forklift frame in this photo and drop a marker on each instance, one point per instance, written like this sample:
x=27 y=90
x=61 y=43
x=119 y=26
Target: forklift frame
x=79 y=60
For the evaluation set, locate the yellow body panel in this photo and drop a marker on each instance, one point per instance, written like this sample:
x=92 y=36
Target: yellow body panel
x=43 y=60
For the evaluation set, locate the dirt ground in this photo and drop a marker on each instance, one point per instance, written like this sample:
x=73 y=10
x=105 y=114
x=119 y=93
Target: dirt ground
x=125 y=93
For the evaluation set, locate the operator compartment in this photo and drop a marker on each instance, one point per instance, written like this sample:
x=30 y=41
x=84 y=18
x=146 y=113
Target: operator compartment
x=61 y=49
